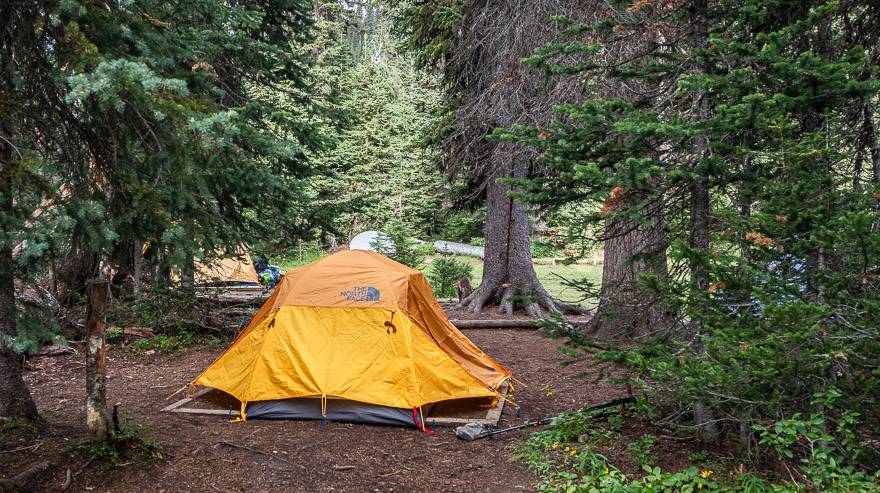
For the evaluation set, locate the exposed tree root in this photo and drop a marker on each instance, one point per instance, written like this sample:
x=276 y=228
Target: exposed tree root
x=531 y=297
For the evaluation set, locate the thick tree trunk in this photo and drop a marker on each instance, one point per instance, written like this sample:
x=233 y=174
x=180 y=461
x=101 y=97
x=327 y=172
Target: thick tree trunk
x=509 y=277
x=97 y=419
x=626 y=309
x=699 y=205
x=15 y=398
x=127 y=259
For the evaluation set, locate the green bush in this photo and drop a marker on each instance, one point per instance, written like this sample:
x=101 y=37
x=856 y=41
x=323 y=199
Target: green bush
x=445 y=272
x=545 y=249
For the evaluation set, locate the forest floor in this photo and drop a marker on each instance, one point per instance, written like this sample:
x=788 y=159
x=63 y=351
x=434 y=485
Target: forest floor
x=296 y=455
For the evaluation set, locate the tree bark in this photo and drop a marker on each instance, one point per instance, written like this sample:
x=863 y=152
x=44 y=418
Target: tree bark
x=626 y=309
x=509 y=277
x=871 y=135
x=15 y=398
x=699 y=190
x=97 y=420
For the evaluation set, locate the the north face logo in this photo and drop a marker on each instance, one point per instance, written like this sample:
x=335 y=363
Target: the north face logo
x=362 y=293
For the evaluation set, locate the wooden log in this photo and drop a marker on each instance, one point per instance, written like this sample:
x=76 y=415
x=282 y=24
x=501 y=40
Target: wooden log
x=496 y=324
x=97 y=420
x=20 y=481
x=459 y=248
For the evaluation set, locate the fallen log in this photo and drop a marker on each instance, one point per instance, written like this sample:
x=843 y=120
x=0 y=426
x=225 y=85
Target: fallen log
x=496 y=324
x=225 y=299
x=20 y=481
x=459 y=248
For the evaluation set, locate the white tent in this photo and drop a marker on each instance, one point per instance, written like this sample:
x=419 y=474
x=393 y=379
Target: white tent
x=368 y=240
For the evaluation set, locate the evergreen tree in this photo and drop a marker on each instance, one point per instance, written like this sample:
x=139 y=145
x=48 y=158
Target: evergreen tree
x=742 y=133
x=384 y=174
x=161 y=121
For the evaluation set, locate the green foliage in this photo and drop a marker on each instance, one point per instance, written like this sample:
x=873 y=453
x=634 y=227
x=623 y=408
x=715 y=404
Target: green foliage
x=641 y=450
x=382 y=171
x=462 y=225
x=165 y=343
x=567 y=458
x=428 y=28
x=445 y=272
x=129 y=443
x=189 y=124
x=398 y=245
x=790 y=310
x=545 y=249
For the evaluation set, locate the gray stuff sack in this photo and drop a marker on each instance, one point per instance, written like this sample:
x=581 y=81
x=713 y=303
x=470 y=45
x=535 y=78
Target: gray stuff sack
x=471 y=431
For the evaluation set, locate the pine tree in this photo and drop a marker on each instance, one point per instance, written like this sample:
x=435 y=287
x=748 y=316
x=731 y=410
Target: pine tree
x=742 y=132
x=186 y=124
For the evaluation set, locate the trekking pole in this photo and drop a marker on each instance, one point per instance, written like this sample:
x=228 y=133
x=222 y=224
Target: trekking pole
x=491 y=432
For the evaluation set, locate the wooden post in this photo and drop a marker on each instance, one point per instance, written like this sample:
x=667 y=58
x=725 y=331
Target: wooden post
x=97 y=421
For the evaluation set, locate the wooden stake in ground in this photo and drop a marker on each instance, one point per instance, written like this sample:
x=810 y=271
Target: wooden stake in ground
x=97 y=419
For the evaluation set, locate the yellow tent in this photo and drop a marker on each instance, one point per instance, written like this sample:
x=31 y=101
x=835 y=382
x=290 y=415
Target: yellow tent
x=352 y=337
x=236 y=269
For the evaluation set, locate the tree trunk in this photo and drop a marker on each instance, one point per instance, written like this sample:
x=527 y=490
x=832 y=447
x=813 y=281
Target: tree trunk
x=127 y=260
x=509 y=277
x=699 y=189
x=626 y=309
x=97 y=420
x=188 y=277
x=871 y=135
x=15 y=398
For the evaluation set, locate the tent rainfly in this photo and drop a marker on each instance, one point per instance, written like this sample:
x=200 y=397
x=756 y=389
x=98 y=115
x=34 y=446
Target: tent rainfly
x=352 y=337
x=228 y=270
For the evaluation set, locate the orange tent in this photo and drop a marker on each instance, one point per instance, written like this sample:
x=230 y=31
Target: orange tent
x=355 y=337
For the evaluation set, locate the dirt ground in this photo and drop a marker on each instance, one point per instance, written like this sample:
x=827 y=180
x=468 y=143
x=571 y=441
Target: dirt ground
x=297 y=455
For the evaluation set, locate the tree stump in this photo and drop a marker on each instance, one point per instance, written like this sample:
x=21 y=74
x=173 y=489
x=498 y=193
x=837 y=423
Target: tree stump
x=464 y=288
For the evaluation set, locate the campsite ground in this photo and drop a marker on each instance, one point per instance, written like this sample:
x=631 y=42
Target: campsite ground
x=289 y=455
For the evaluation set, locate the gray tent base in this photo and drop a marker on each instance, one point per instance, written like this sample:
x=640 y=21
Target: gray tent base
x=212 y=402
x=337 y=410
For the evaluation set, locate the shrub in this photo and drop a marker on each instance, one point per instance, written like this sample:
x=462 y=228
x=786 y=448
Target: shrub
x=544 y=249
x=127 y=443
x=445 y=272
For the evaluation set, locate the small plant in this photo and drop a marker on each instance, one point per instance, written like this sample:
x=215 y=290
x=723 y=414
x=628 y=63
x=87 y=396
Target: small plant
x=445 y=273
x=641 y=450
x=164 y=343
x=699 y=457
x=114 y=336
x=127 y=443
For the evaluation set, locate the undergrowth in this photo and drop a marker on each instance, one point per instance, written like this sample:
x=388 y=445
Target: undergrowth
x=127 y=444
x=168 y=343
x=798 y=453
x=445 y=273
x=568 y=457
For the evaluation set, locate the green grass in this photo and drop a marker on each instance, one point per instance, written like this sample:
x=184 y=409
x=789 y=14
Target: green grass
x=549 y=275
